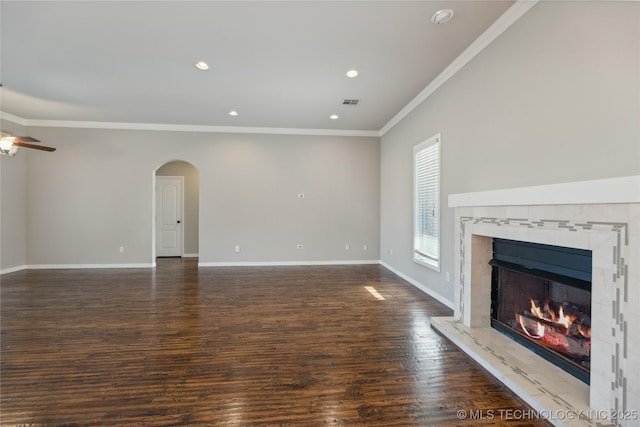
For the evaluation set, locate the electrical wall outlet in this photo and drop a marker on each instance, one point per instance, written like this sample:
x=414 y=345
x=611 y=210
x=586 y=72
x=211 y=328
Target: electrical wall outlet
x=365 y=247
x=347 y=247
x=237 y=249
x=121 y=249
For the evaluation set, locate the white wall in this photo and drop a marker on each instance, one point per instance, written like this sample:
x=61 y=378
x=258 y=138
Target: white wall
x=13 y=205
x=94 y=194
x=553 y=99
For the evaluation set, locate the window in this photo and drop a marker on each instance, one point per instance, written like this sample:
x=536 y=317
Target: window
x=426 y=201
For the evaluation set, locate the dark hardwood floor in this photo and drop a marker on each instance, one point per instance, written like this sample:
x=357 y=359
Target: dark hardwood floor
x=178 y=345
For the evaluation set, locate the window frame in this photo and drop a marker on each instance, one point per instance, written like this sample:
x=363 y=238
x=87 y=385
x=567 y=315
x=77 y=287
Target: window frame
x=429 y=262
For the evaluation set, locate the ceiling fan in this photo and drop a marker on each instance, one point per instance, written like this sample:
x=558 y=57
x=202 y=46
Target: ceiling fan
x=9 y=144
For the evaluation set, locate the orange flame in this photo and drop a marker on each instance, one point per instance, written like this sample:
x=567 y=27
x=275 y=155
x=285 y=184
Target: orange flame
x=585 y=331
x=535 y=310
x=559 y=317
x=564 y=320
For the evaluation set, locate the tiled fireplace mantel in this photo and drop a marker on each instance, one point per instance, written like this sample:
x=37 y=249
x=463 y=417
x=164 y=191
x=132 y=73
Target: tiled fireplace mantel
x=602 y=216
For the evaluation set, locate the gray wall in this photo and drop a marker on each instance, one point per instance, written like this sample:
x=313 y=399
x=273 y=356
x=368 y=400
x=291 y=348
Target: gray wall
x=13 y=204
x=190 y=218
x=94 y=194
x=553 y=99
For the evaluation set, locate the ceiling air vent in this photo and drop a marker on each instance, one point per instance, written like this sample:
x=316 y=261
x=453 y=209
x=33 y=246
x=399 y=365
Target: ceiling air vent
x=350 y=101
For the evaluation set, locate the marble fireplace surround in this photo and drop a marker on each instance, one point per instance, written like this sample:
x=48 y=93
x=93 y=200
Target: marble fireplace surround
x=602 y=216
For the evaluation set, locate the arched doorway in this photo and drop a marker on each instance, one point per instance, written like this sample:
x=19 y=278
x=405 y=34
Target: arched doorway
x=176 y=210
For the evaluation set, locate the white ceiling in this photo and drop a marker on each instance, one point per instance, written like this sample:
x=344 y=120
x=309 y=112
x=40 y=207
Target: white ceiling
x=280 y=64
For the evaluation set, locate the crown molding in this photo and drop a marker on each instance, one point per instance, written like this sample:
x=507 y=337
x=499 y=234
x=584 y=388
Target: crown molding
x=508 y=18
x=76 y=124
x=13 y=119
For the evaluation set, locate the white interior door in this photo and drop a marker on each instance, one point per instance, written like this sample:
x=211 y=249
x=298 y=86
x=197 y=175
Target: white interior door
x=169 y=205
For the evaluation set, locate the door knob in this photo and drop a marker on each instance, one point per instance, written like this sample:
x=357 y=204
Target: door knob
x=178 y=221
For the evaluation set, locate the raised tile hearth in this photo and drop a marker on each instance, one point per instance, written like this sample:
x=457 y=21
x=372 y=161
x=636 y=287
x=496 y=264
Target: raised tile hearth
x=554 y=395
x=612 y=232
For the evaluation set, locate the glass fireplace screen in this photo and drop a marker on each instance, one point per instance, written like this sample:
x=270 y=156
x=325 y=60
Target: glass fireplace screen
x=547 y=312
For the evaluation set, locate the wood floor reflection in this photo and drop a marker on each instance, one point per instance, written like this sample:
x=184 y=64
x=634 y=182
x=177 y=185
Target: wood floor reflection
x=178 y=345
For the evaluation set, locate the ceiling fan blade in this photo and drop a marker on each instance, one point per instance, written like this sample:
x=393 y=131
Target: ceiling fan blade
x=37 y=147
x=23 y=139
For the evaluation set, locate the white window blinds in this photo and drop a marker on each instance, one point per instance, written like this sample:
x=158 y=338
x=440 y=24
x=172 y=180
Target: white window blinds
x=426 y=247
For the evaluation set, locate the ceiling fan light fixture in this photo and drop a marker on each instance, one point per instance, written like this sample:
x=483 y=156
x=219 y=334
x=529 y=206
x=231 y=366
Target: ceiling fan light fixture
x=7 y=147
x=442 y=16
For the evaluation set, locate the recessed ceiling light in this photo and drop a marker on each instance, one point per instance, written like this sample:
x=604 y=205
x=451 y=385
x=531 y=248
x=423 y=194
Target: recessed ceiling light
x=442 y=16
x=352 y=73
x=233 y=113
x=201 y=65
x=333 y=117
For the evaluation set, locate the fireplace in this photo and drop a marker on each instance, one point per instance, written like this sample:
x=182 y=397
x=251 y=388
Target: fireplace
x=541 y=298
x=613 y=364
x=601 y=217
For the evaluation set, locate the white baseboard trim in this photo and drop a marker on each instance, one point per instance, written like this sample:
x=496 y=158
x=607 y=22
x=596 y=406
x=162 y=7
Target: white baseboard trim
x=190 y=255
x=85 y=266
x=419 y=285
x=12 y=269
x=284 y=263
x=200 y=264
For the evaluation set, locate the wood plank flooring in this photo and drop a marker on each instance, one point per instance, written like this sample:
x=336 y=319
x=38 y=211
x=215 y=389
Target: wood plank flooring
x=282 y=346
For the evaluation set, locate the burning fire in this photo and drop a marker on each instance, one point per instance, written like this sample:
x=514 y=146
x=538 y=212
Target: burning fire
x=569 y=322
x=565 y=329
